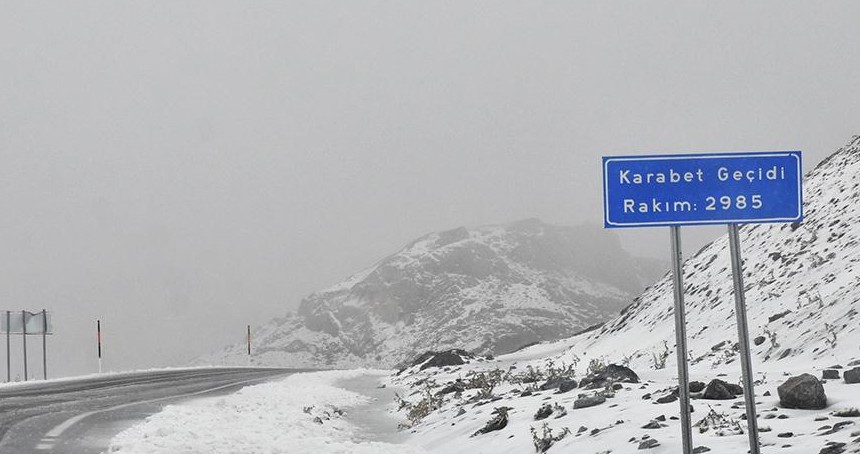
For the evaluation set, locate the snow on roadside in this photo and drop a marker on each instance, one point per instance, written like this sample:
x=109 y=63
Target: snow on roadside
x=300 y=414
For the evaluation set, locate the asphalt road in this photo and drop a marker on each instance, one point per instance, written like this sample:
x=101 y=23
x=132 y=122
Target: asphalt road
x=81 y=416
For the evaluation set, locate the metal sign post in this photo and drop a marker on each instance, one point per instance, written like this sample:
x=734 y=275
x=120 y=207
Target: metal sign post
x=681 y=341
x=743 y=336
x=696 y=189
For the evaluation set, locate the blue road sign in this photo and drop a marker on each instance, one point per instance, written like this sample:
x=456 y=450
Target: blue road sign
x=712 y=188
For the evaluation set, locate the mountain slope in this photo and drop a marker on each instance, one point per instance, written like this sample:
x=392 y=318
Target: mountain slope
x=802 y=286
x=803 y=296
x=491 y=290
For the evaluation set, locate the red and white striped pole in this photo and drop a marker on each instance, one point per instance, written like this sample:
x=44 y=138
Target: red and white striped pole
x=99 y=333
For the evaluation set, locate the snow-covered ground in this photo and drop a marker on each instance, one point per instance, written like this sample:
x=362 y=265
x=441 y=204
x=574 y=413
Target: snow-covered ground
x=304 y=413
x=616 y=426
x=321 y=412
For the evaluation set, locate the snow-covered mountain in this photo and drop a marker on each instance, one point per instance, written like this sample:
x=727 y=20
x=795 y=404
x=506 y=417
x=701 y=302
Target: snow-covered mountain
x=803 y=296
x=491 y=290
x=802 y=286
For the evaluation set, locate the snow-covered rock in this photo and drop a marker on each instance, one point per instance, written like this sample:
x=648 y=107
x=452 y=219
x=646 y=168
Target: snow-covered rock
x=489 y=290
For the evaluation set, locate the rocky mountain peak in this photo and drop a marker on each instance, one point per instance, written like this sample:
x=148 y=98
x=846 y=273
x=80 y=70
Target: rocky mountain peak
x=490 y=289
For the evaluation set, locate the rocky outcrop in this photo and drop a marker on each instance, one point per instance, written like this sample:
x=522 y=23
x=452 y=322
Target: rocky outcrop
x=489 y=290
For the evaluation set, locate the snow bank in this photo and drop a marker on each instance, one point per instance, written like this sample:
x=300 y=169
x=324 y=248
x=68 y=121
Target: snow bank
x=300 y=414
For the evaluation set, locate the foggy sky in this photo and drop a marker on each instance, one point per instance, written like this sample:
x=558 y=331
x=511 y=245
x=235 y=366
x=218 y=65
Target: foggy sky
x=179 y=169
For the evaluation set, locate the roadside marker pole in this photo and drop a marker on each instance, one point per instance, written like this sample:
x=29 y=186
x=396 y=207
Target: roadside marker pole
x=743 y=336
x=99 y=334
x=45 y=344
x=8 y=347
x=681 y=341
x=249 y=340
x=24 y=337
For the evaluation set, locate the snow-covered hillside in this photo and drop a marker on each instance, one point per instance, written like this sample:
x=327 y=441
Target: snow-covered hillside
x=490 y=290
x=803 y=295
x=802 y=286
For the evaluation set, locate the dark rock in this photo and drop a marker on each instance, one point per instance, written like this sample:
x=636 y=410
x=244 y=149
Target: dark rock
x=610 y=374
x=499 y=422
x=701 y=449
x=766 y=394
x=550 y=384
x=759 y=340
x=696 y=386
x=735 y=389
x=785 y=434
x=456 y=387
x=830 y=374
x=589 y=401
x=566 y=385
x=653 y=425
x=526 y=394
x=847 y=413
x=803 y=392
x=453 y=357
x=667 y=398
x=852 y=376
x=543 y=412
x=833 y=448
x=660 y=418
x=649 y=443
x=778 y=316
x=718 y=390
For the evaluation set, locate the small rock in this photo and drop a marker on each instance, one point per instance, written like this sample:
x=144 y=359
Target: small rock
x=701 y=449
x=667 y=398
x=833 y=448
x=566 y=385
x=696 y=386
x=852 y=376
x=785 y=434
x=718 y=390
x=803 y=392
x=590 y=401
x=830 y=374
x=499 y=422
x=543 y=412
x=653 y=425
x=847 y=413
x=759 y=340
x=649 y=443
